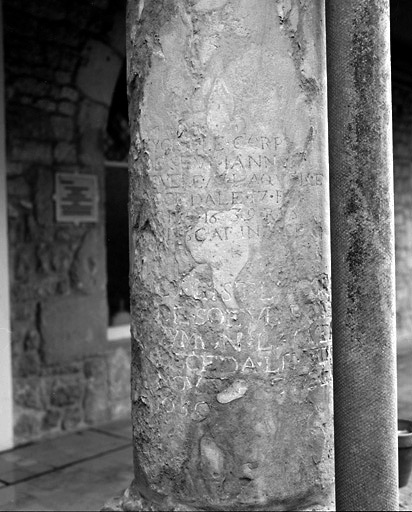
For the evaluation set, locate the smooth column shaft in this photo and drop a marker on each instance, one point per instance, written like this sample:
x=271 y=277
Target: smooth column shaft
x=363 y=305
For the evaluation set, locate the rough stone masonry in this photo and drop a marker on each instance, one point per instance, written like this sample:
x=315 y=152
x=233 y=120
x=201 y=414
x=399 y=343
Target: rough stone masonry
x=231 y=384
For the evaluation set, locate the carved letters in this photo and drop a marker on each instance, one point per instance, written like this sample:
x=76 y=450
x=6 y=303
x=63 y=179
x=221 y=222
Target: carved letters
x=224 y=197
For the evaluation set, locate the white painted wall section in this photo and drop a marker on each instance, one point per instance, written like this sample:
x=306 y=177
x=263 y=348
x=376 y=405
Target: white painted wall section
x=6 y=403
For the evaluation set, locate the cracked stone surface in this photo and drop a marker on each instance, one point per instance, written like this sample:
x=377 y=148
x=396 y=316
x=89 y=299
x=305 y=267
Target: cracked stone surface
x=231 y=377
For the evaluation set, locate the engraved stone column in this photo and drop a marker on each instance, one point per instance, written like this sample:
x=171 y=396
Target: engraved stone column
x=231 y=377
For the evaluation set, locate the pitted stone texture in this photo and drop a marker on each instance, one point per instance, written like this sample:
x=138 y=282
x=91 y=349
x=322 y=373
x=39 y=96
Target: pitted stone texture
x=231 y=377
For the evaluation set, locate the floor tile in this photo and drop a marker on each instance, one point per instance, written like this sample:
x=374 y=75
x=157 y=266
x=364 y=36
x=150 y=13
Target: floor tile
x=12 y=456
x=6 y=466
x=52 y=456
x=70 y=449
x=102 y=440
x=16 y=475
x=122 y=428
x=9 y=497
x=84 y=486
x=19 y=501
x=11 y=472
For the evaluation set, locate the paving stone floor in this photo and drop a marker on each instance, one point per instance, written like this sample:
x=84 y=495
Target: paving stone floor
x=76 y=472
x=84 y=470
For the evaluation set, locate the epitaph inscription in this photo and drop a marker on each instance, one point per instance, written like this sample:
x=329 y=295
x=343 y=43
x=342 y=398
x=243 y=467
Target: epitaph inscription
x=225 y=197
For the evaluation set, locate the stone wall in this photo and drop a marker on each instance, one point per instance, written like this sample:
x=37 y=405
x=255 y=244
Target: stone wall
x=62 y=60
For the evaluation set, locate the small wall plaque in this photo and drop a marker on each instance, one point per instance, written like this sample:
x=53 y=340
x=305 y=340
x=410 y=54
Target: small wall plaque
x=76 y=197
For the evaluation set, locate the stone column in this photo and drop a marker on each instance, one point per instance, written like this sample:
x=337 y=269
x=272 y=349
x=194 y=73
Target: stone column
x=231 y=377
x=364 y=345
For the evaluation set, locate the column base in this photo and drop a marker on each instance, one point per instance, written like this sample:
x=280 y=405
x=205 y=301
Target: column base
x=133 y=501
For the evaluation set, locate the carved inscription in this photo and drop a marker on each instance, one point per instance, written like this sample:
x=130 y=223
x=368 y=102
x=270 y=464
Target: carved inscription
x=312 y=364
x=217 y=173
x=308 y=179
x=244 y=342
x=241 y=175
x=225 y=197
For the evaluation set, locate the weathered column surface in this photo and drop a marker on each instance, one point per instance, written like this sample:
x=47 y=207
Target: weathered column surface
x=231 y=383
x=364 y=346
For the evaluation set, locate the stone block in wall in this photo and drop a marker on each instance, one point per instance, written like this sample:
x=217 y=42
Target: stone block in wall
x=81 y=15
x=119 y=374
x=62 y=58
x=31 y=151
x=27 y=424
x=25 y=264
x=98 y=74
x=96 y=406
x=14 y=168
x=66 y=390
x=23 y=315
x=18 y=25
x=48 y=9
x=17 y=187
x=62 y=127
x=29 y=364
x=120 y=408
x=32 y=340
x=87 y=272
x=23 y=122
x=101 y=4
x=59 y=35
x=65 y=152
x=69 y=93
x=51 y=420
x=92 y=121
x=28 y=393
x=23 y=292
x=67 y=108
x=119 y=382
x=92 y=117
x=43 y=197
x=32 y=86
x=72 y=418
x=63 y=77
x=73 y=327
x=55 y=256
x=20 y=326
x=45 y=104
